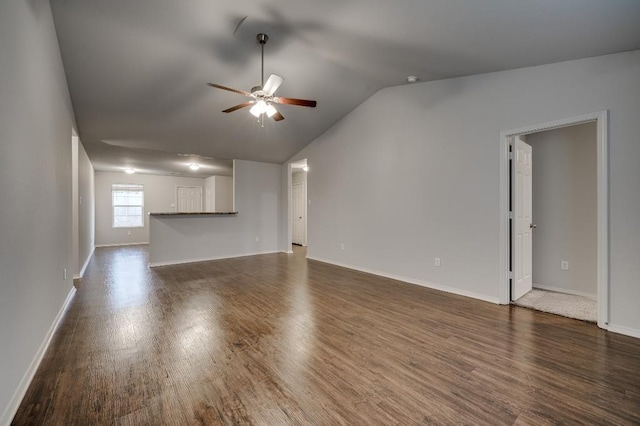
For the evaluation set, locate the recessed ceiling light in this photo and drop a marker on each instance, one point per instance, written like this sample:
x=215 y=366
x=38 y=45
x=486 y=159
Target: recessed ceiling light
x=305 y=168
x=129 y=170
x=194 y=166
x=412 y=79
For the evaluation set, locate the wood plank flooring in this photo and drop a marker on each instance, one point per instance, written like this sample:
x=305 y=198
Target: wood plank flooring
x=279 y=340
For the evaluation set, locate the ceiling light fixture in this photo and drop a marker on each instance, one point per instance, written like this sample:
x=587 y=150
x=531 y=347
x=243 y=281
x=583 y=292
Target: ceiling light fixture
x=305 y=168
x=258 y=108
x=412 y=79
x=129 y=170
x=270 y=110
x=194 y=166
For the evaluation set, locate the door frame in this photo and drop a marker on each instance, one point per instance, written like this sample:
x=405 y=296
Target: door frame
x=304 y=214
x=602 y=147
x=289 y=208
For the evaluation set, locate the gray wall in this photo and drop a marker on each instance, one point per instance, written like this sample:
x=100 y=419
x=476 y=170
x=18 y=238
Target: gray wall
x=565 y=208
x=86 y=208
x=159 y=196
x=253 y=230
x=36 y=118
x=432 y=151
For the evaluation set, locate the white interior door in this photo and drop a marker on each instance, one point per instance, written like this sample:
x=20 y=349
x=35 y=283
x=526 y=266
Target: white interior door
x=297 y=198
x=522 y=224
x=189 y=199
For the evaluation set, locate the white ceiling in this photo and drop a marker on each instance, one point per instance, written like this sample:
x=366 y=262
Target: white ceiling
x=137 y=70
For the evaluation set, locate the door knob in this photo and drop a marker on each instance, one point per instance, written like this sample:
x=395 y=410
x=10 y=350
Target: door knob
x=533 y=225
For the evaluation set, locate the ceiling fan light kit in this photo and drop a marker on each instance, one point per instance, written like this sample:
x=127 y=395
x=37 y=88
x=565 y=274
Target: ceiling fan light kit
x=263 y=96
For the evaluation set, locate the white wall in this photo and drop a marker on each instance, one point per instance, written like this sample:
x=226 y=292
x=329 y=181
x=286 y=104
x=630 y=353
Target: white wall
x=224 y=194
x=219 y=194
x=83 y=202
x=86 y=209
x=565 y=208
x=210 y=194
x=36 y=118
x=193 y=238
x=75 y=142
x=432 y=151
x=159 y=196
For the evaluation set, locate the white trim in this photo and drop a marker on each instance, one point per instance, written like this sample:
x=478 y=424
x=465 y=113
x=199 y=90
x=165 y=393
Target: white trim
x=12 y=408
x=627 y=331
x=603 y=218
x=86 y=263
x=289 y=240
x=123 y=244
x=601 y=117
x=113 y=206
x=591 y=296
x=408 y=280
x=206 y=259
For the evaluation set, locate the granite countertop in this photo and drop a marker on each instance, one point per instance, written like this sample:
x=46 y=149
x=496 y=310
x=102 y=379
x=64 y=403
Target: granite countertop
x=194 y=213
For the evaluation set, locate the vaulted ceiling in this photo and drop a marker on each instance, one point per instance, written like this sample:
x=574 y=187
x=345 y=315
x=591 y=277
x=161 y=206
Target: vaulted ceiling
x=137 y=70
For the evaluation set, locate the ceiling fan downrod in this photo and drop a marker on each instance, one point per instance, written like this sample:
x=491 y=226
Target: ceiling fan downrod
x=262 y=39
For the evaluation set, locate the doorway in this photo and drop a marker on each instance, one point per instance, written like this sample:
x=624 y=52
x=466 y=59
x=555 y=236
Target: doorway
x=298 y=222
x=518 y=227
x=189 y=199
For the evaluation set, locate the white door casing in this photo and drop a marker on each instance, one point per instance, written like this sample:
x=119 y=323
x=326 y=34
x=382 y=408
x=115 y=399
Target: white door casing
x=298 y=202
x=522 y=223
x=189 y=199
x=505 y=247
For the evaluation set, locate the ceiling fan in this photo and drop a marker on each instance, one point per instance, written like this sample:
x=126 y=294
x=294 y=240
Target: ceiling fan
x=263 y=96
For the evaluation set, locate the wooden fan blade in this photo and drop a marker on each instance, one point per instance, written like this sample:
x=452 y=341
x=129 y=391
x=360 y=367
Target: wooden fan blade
x=292 y=101
x=277 y=116
x=237 y=107
x=217 y=86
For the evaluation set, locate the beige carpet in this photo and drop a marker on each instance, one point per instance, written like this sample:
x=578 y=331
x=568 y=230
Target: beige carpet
x=567 y=305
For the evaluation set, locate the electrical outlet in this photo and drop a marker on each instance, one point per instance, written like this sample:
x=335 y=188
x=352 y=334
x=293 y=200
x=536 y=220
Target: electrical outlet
x=129 y=233
x=436 y=261
x=564 y=265
x=257 y=238
x=342 y=246
x=64 y=274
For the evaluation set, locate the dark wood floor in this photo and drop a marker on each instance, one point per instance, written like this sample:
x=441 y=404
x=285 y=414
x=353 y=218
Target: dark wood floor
x=277 y=340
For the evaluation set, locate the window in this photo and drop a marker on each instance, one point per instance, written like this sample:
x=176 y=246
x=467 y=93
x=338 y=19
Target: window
x=128 y=206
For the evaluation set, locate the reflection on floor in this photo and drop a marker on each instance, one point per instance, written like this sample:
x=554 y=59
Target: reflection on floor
x=277 y=339
x=567 y=305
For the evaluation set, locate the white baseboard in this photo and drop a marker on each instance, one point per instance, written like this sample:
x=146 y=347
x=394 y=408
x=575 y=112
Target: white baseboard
x=433 y=286
x=123 y=244
x=86 y=263
x=19 y=393
x=627 y=331
x=206 y=259
x=566 y=291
